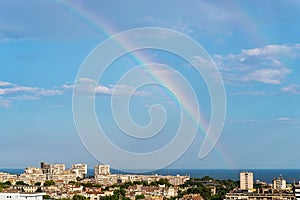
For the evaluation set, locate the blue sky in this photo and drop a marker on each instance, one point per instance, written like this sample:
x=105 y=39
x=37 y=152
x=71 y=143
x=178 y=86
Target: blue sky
x=254 y=44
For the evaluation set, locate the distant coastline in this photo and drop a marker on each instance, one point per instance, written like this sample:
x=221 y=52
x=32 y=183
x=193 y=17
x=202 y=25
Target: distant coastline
x=259 y=174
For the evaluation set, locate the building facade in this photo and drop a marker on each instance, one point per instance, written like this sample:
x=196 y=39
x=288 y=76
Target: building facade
x=246 y=180
x=279 y=183
x=80 y=170
x=297 y=191
x=101 y=170
x=256 y=196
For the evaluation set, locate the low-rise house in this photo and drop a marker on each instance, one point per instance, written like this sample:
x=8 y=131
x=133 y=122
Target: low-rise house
x=26 y=188
x=192 y=197
x=93 y=193
x=8 y=177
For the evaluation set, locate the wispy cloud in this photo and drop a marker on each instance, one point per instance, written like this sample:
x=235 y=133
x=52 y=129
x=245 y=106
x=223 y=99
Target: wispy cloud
x=284 y=119
x=273 y=50
x=277 y=121
x=3 y=83
x=263 y=65
x=251 y=93
x=268 y=75
x=287 y=121
x=89 y=86
x=4 y=103
x=10 y=92
x=17 y=89
x=292 y=89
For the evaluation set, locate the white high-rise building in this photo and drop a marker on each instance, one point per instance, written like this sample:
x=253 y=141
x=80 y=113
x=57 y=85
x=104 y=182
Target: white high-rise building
x=246 y=180
x=101 y=170
x=57 y=168
x=80 y=170
x=279 y=183
x=33 y=170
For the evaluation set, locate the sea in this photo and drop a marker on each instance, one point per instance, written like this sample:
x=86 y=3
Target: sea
x=266 y=175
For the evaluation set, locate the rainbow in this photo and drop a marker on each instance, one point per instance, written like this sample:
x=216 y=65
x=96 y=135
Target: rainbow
x=106 y=29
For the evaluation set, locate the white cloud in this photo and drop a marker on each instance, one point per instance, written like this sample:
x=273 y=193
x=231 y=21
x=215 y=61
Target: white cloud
x=67 y=86
x=284 y=119
x=264 y=65
x=200 y=61
x=3 y=83
x=269 y=76
x=47 y=92
x=287 y=121
x=292 y=89
x=16 y=89
x=251 y=93
x=10 y=92
x=272 y=50
x=89 y=86
x=4 y=103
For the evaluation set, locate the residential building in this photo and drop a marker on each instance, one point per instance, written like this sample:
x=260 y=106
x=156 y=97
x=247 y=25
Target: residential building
x=246 y=180
x=26 y=188
x=65 y=176
x=57 y=168
x=32 y=175
x=80 y=170
x=101 y=170
x=297 y=191
x=94 y=193
x=45 y=168
x=31 y=179
x=259 y=196
x=7 y=177
x=192 y=197
x=33 y=170
x=279 y=183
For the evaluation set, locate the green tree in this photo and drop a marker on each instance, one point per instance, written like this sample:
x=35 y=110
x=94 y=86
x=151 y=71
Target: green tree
x=207 y=178
x=113 y=197
x=20 y=183
x=46 y=197
x=49 y=183
x=203 y=191
x=78 y=197
x=140 y=196
x=37 y=184
x=120 y=193
x=163 y=181
x=39 y=189
x=7 y=183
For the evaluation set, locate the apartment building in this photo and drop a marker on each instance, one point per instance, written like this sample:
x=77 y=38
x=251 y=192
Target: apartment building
x=279 y=183
x=80 y=170
x=101 y=170
x=246 y=180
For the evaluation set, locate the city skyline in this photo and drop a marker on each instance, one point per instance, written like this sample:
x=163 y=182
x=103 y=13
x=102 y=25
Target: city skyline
x=255 y=46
